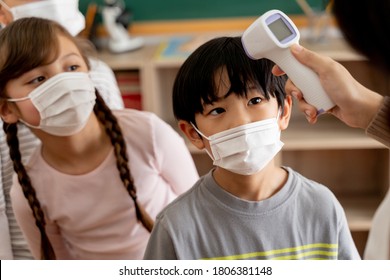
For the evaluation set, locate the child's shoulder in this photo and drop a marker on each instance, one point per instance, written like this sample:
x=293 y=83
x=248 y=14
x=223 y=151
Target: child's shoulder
x=134 y=114
x=139 y=120
x=184 y=205
x=310 y=191
x=298 y=178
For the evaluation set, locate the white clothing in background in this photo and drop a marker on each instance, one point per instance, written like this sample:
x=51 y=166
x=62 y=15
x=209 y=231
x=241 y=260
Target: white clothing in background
x=378 y=243
x=105 y=82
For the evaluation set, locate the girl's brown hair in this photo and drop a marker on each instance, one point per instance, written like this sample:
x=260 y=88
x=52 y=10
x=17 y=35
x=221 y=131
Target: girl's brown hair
x=24 y=45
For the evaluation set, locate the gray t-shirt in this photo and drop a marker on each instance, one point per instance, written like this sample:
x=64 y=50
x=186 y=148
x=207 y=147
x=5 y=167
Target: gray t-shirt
x=303 y=220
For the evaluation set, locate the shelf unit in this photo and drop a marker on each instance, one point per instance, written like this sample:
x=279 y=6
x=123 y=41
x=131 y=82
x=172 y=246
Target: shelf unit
x=354 y=166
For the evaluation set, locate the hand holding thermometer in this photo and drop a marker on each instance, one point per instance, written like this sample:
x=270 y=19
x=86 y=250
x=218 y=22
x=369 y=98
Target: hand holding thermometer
x=270 y=36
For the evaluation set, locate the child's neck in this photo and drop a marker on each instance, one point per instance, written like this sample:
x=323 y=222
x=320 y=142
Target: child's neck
x=80 y=153
x=257 y=187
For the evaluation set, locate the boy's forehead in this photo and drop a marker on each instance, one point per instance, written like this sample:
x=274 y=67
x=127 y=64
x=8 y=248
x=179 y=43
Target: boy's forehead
x=221 y=76
x=222 y=83
x=222 y=90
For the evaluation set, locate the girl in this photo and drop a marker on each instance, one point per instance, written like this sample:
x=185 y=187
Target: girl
x=66 y=13
x=76 y=198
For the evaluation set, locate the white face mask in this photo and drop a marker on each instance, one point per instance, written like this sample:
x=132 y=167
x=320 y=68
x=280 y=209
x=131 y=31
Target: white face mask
x=64 y=103
x=246 y=149
x=65 y=12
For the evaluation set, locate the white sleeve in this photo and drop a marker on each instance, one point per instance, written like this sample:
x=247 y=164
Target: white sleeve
x=105 y=82
x=378 y=242
x=5 y=238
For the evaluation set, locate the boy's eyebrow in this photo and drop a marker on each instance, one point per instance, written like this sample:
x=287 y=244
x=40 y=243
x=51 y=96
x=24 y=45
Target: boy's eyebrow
x=215 y=99
x=204 y=104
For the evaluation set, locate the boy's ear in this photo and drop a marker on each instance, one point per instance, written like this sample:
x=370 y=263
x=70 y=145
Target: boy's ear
x=284 y=119
x=7 y=114
x=191 y=134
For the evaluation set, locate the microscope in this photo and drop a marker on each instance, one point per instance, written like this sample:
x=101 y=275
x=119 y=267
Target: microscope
x=116 y=20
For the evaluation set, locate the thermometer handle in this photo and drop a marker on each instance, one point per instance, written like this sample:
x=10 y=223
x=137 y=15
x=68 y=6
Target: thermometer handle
x=304 y=78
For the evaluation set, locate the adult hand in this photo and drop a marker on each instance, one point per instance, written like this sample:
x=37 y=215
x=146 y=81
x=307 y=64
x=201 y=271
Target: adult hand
x=356 y=105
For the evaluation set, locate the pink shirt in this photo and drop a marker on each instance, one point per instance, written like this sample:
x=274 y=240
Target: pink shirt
x=91 y=216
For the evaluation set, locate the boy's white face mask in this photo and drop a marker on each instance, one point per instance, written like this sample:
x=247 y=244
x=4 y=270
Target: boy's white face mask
x=64 y=103
x=65 y=12
x=245 y=149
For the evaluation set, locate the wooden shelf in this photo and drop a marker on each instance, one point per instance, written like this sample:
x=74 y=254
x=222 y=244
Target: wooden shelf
x=335 y=48
x=128 y=60
x=325 y=134
x=359 y=211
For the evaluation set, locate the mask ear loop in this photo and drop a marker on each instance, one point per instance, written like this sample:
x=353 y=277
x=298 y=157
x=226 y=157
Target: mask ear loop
x=18 y=99
x=204 y=136
x=15 y=100
x=197 y=130
x=279 y=113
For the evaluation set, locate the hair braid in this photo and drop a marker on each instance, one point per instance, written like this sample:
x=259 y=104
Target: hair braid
x=114 y=131
x=11 y=130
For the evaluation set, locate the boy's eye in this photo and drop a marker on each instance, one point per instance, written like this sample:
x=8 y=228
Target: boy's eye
x=216 y=111
x=255 y=100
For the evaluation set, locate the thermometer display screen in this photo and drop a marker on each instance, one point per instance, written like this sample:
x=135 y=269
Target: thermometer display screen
x=280 y=29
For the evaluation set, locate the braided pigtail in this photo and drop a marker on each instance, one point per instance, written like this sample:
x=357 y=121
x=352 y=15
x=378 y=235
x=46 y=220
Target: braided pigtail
x=11 y=130
x=114 y=131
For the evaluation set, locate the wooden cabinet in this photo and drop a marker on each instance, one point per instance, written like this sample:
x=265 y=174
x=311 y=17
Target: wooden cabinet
x=354 y=166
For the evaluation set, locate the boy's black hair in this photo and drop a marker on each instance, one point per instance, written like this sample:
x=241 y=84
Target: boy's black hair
x=195 y=82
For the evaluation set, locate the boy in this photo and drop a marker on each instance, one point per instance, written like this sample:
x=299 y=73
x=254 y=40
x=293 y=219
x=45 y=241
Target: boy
x=246 y=207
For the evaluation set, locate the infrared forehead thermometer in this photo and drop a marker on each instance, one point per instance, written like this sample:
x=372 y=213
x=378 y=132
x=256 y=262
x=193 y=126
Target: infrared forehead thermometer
x=270 y=36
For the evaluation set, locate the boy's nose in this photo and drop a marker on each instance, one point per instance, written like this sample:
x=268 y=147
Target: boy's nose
x=240 y=117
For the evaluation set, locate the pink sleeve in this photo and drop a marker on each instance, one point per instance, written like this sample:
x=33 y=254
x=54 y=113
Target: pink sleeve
x=175 y=160
x=26 y=222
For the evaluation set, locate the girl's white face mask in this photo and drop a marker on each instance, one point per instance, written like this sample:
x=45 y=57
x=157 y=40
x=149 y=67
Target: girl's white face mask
x=64 y=103
x=245 y=149
x=65 y=12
